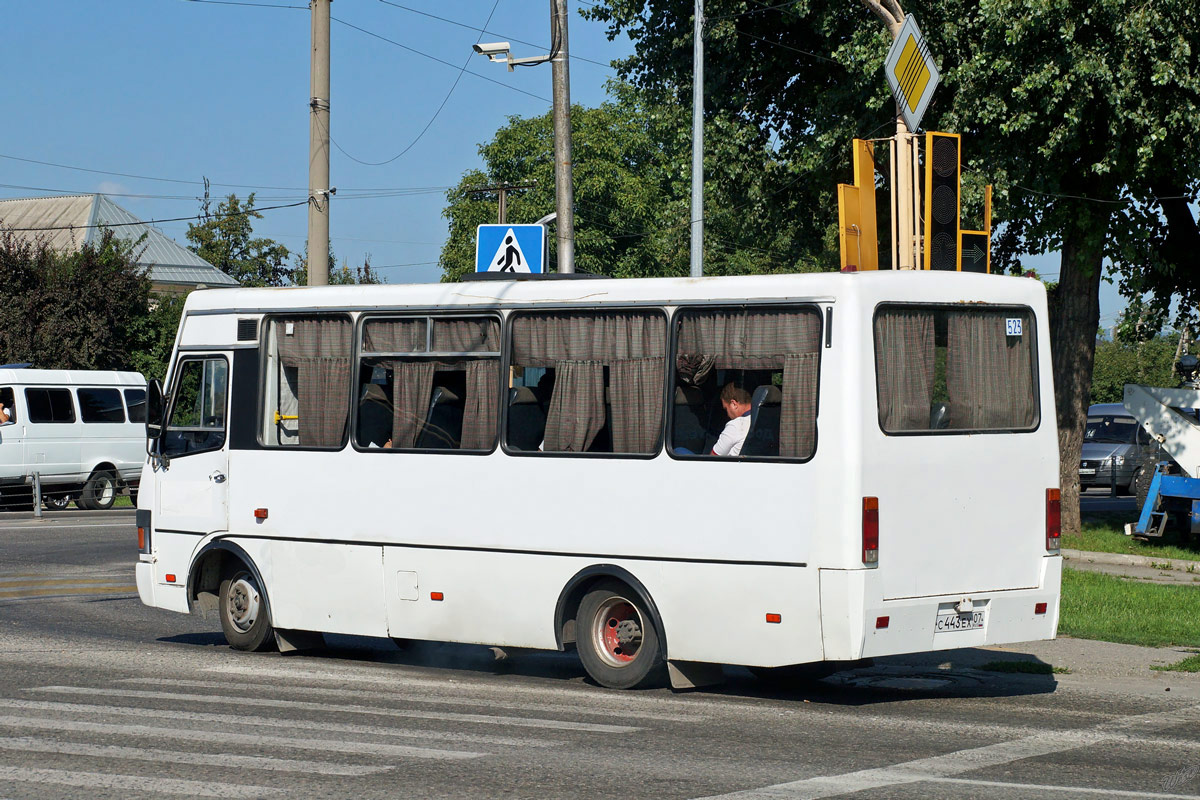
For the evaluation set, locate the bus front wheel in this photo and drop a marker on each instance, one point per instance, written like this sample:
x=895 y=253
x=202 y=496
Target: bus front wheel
x=617 y=642
x=243 y=608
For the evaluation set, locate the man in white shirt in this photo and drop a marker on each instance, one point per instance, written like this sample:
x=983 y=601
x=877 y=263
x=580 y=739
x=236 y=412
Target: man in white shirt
x=736 y=402
x=6 y=414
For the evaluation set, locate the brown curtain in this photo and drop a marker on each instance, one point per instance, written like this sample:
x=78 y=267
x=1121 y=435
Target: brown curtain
x=738 y=339
x=394 y=336
x=466 y=336
x=989 y=375
x=904 y=364
x=798 y=414
x=636 y=394
x=319 y=350
x=412 y=384
x=479 y=416
x=576 y=412
x=546 y=339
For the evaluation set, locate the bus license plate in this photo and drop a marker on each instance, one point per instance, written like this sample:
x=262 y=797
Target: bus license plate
x=958 y=622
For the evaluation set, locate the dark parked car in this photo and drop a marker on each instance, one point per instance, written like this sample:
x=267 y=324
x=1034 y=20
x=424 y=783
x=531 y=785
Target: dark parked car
x=1113 y=442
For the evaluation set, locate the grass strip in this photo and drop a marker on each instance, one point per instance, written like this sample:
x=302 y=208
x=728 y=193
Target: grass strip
x=1024 y=668
x=1104 y=532
x=1114 y=609
x=1189 y=664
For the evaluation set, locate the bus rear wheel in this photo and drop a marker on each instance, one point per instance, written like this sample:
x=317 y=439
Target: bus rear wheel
x=617 y=641
x=243 y=609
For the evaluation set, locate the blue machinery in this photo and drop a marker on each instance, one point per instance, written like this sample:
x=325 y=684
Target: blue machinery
x=1169 y=416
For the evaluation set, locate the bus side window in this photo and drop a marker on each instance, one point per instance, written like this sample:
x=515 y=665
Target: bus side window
x=772 y=355
x=429 y=383
x=602 y=387
x=197 y=421
x=306 y=401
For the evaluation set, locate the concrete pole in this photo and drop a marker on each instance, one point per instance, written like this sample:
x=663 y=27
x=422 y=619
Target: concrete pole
x=318 y=148
x=697 y=256
x=564 y=188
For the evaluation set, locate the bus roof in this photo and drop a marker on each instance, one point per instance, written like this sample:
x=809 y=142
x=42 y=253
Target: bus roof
x=918 y=286
x=70 y=377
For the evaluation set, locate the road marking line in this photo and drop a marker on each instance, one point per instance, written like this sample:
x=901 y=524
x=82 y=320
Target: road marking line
x=66 y=525
x=151 y=785
x=446 y=716
x=64 y=591
x=226 y=737
x=21 y=584
x=33 y=745
x=277 y=722
x=956 y=763
x=1045 y=787
x=415 y=698
x=388 y=676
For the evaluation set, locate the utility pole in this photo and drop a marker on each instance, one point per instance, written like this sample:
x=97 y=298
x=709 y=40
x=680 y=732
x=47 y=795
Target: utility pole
x=697 y=259
x=564 y=188
x=318 y=147
x=502 y=191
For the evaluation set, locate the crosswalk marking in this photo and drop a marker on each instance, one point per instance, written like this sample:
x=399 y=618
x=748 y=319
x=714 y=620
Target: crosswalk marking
x=68 y=590
x=230 y=737
x=139 y=783
x=376 y=694
x=29 y=586
x=447 y=716
x=33 y=745
x=277 y=722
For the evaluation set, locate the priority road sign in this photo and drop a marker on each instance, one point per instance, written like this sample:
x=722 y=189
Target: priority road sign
x=911 y=73
x=510 y=248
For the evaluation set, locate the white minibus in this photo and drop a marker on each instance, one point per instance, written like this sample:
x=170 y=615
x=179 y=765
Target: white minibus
x=533 y=464
x=83 y=432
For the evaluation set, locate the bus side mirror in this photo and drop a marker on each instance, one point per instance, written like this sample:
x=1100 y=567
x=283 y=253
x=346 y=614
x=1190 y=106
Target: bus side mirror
x=154 y=411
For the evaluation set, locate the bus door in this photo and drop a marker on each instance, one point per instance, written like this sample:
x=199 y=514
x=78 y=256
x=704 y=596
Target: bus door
x=193 y=463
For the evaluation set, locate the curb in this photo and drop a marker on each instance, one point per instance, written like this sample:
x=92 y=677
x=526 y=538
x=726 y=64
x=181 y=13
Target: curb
x=1126 y=560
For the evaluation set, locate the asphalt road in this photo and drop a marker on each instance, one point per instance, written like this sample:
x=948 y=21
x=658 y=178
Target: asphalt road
x=103 y=698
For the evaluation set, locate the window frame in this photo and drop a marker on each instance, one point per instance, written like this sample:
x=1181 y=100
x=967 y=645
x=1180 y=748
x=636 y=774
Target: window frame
x=120 y=405
x=430 y=316
x=176 y=369
x=1035 y=361
x=266 y=331
x=29 y=406
x=506 y=343
x=818 y=307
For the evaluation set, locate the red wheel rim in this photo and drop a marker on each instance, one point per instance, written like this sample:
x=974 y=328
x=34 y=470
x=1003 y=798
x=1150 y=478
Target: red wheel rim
x=617 y=631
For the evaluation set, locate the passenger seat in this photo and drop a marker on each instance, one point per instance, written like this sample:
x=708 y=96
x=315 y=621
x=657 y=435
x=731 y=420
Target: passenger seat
x=526 y=419
x=443 y=425
x=688 y=431
x=765 y=407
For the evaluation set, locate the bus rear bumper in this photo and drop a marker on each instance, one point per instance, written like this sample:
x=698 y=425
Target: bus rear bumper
x=144 y=573
x=922 y=624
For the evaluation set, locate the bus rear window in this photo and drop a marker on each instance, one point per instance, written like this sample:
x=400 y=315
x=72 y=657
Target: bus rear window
x=942 y=369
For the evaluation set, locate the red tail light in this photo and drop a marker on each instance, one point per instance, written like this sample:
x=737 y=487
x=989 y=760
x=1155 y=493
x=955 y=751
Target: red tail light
x=870 y=530
x=1053 y=518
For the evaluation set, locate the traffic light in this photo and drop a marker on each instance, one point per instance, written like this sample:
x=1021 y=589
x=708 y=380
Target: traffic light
x=857 y=238
x=942 y=200
x=975 y=247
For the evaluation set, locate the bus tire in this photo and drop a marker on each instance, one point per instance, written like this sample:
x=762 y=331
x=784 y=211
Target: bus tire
x=100 y=491
x=617 y=641
x=243 y=610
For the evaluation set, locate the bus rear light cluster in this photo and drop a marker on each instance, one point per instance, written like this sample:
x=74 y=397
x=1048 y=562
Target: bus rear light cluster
x=142 y=520
x=1053 y=519
x=870 y=530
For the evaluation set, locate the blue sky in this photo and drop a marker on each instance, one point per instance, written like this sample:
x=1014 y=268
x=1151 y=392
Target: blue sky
x=180 y=90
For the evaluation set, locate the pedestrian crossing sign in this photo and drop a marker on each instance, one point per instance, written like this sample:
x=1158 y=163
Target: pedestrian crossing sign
x=911 y=73
x=510 y=248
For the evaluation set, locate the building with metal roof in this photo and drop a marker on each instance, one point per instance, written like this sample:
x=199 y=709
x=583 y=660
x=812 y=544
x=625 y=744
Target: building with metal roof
x=68 y=222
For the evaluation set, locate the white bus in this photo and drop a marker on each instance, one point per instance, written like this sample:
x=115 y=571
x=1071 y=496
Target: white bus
x=83 y=432
x=529 y=464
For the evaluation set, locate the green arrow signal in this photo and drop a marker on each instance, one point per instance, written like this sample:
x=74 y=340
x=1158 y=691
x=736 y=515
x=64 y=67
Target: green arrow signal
x=975 y=254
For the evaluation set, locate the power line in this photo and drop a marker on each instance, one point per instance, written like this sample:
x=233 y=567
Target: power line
x=445 y=100
x=435 y=58
x=213 y=215
x=789 y=47
x=249 y=5
x=484 y=30
x=1191 y=198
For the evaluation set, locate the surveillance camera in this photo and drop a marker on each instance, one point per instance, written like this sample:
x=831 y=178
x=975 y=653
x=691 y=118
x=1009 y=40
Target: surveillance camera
x=492 y=48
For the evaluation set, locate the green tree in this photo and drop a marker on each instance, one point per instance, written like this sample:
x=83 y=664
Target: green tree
x=80 y=310
x=1084 y=115
x=1149 y=363
x=224 y=237
x=155 y=334
x=632 y=172
x=338 y=276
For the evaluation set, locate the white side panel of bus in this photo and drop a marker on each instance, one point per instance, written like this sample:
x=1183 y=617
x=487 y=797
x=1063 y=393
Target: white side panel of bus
x=314 y=586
